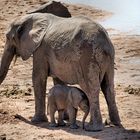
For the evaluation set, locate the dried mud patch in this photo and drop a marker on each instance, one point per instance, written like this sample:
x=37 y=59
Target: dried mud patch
x=15 y=91
x=132 y=90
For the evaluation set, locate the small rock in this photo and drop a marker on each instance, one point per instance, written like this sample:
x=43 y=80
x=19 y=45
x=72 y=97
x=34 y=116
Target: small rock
x=3 y=137
x=29 y=90
x=27 y=94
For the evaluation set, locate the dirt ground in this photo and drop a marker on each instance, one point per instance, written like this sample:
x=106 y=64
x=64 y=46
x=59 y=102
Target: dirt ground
x=16 y=92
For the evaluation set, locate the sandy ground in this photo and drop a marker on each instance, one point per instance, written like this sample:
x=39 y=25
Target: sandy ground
x=16 y=93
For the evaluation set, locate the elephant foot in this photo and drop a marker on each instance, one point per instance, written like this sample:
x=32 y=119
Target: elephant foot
x=118 y=124
x=39 y=119
x=61 y=123
x=74 y=126
x=53 y=125
x=111 y=123
x=94 y=127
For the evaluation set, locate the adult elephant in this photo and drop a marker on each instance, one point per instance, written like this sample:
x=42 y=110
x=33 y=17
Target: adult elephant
x=75 y=50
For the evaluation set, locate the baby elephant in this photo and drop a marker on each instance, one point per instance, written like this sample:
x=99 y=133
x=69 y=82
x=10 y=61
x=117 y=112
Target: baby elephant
x=66 y=98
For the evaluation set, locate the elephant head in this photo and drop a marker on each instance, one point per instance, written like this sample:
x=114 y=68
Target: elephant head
x=23 y=38
x=53 y=7
x=78 y=99
x=25 y=34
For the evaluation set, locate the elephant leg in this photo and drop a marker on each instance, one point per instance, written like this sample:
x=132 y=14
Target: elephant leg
x=72 y=117
x=60 y=118
x=58 y=81
x=92 y=88
x=52 y=116
x=39 y=77
x=107 y=87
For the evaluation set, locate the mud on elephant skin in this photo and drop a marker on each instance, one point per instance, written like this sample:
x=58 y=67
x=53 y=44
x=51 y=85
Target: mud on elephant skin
x=66 y=98
x=53 y=7
x=74 y=50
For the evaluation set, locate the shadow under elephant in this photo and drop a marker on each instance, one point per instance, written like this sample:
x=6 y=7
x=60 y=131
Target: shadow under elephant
x=109 y=132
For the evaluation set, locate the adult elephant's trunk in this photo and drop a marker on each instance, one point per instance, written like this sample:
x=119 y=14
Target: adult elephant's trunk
x=6 y=61
x=84 y=118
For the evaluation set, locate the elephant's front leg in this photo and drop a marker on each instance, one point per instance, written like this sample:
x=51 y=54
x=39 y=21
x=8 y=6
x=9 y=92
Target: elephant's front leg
x=40 y=73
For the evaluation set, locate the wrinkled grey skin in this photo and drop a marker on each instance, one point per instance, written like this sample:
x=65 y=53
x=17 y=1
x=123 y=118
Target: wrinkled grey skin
x=58 y=9
x=65 y=98
x=74 y=50
x=53 y=7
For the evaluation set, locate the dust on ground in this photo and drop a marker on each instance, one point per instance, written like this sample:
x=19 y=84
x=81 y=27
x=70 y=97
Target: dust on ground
x=16 y=92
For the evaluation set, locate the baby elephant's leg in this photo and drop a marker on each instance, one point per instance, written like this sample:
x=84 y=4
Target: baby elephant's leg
x=52 y=117
x=60 y=118
x=72 y=117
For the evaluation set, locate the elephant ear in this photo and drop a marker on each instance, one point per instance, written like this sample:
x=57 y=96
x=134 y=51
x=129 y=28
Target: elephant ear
x=74 y=97
x=53 y=7
x=30 y=31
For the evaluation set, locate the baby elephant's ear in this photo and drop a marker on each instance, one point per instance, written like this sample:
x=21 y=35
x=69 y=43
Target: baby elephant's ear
x=30 y=32
x=74 y=97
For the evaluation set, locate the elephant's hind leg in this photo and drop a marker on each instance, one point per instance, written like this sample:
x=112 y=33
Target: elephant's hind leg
x=95 y=123
x=60 y=118
x=91 y=86
x=107 y=87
